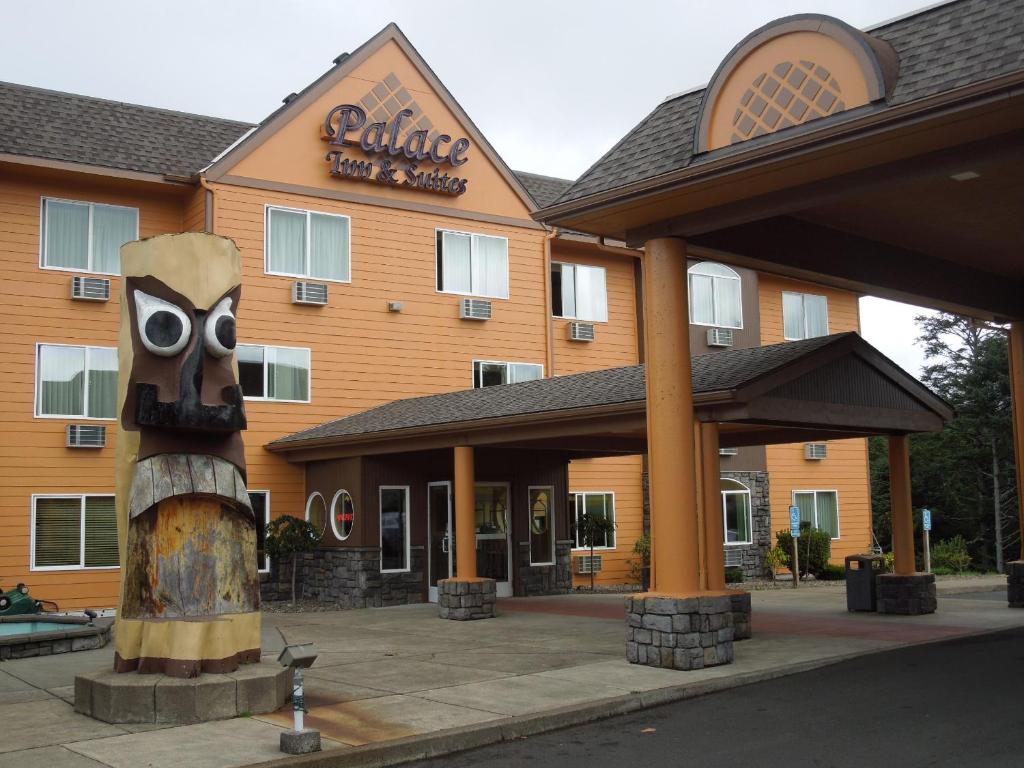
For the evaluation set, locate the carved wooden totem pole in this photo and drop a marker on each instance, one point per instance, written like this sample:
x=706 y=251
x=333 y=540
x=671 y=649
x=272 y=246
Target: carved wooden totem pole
x=187 y=536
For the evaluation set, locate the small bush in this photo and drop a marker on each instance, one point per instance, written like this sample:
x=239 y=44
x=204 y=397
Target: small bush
x=951 y=555
x=815 y=549
x=774 y=559
x=833 y=573
x=890 y=562
x=733 y=575
x=642 y=561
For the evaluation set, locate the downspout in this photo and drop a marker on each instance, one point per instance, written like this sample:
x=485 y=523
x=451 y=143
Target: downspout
x=208 y=207
x=549 y=326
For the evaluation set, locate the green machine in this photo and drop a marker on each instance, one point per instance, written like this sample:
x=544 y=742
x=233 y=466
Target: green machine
x=18 y=602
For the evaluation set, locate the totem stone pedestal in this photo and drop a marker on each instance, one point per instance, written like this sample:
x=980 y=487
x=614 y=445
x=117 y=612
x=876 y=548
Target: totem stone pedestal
x=679 y=632
x=466 y=599
x=912 y=595
x=1015 y=584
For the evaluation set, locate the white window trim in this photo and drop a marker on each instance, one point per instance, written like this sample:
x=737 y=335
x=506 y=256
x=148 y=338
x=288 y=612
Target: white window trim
x=266 y=370
x=81 y=546
x=42 y=234
x=380 y=528
x=803 y=313
x=309 y=503
x=37 y=406
x=551 y=521
x=689 y=292
x=267 y=207
x=508 y=265
x=750 y=512
x=590 y=266
x=334 y=522
x=265 y=568
x=506 y=363
x=816 y=491
x=614 y=515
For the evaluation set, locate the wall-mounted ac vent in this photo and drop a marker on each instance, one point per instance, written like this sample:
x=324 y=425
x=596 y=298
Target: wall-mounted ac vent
x=815 y=451
x=733 y=557
x=90 y=288
x=475 y=309
x=728 y=451
x=86 y=436
x=719 y=337
x=309 y=293
x=581 y=331
x=588 y=564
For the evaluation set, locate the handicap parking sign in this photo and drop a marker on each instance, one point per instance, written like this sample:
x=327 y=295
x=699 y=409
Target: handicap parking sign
x=794 y=522
x=926 y=518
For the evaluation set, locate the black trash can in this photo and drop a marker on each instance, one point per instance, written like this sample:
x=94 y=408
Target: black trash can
x=861 y=571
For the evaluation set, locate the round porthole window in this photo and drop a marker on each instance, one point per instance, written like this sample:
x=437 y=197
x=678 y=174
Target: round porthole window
x=316 y=512
x=343 y=514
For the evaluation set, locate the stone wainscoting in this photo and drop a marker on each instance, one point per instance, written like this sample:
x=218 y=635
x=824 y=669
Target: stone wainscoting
x=546 y=579
x=750 y=557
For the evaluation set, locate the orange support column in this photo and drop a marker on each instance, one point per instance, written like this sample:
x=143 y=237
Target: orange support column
x=465 y=516
x=1015 y=570
x=714 y=524
x=902 y=514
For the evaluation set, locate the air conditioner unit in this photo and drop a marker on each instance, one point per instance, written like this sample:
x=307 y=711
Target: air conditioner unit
x=733 y=557
x=309 y=293
x=588 y=564
x=581 y=331
x=728 y=451
x=475 y=309
x=815 y=451
x=719 y=337
x=90 y=288
x=86 y=436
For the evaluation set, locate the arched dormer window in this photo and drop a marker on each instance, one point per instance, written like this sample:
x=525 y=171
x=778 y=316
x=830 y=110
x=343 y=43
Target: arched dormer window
x=715 y=295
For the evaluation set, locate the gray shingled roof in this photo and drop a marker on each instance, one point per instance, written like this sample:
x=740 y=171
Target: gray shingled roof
x=543 y=189
x=939 y=49
x=64 y=126
x=715 y=372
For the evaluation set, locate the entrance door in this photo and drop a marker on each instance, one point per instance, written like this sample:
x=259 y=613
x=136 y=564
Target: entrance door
x=494 y=535
x=440 y=542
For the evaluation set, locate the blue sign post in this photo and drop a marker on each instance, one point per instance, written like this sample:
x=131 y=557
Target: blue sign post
x=926 y=523
x=794 y=529
x=794 y=522
x=926 y=518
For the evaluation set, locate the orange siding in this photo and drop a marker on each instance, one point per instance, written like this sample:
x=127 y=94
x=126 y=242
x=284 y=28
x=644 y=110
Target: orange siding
x=846 y=468
x=195 y=212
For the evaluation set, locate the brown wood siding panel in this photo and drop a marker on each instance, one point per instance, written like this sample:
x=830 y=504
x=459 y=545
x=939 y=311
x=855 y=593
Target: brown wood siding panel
x=194 y=219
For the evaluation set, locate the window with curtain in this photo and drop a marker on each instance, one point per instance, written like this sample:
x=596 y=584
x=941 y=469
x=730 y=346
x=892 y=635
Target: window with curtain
x=736 y=512
x=487 y=373
x=820 y=509
x=316 y=512
x=86 y=237
x=74 y=532
x=309 y=244
x=716 y=295
x=804 y=315
x=579 y=292
x=394 y=528
x=542 y=525
x=599 y=503
x=274 y=373
x=472 y=264
x=79 y=382
x=260 y=501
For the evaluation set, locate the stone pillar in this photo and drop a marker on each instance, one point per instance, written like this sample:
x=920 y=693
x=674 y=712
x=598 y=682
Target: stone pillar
x=680 y=624
x=466 y=596
x=1015 y=570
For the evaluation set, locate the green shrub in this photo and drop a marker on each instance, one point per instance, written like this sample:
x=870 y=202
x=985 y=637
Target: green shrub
x=286 y=537
x=951 y=555
x=637 y=565
x=833 y=573
x=815 y=549
x=890 y=562
x=774 y=559
x=733 y=575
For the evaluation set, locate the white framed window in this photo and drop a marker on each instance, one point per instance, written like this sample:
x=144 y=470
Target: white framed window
x=310 y=244
x=343 y=515
x=820 y=509
x=579 y=292
x=542 y=524
x=316 y=512
x=716 y=295
x=472 y=265
x=76 y=381
x=274 y=373
x=488 y=373
x=394 y=528
x=595 y=503
x=260 y=501
x=85 y=237
x=73 y=532
x=804 y=315
x=736 y=516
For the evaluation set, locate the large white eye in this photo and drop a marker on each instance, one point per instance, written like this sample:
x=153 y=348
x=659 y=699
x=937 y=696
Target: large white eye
x=220 y=329
x=164 y=328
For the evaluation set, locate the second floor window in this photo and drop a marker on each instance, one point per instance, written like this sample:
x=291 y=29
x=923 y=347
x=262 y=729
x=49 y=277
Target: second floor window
x=476 y=265
x=804 y=315
x=579 y=292
x=487 y=373
x=79 y=382
x=86 y=237
x=308 y=244
x=274 y=373
x=715 y=295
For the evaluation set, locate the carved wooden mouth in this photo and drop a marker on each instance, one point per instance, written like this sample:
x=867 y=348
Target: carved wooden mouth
x=178 y=474
x=189 y=413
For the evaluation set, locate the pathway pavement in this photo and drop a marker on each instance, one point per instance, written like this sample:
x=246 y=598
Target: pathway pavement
x=399 y=682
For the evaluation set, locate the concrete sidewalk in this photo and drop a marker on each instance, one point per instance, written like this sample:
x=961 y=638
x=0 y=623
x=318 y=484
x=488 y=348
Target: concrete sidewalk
x=399 y=682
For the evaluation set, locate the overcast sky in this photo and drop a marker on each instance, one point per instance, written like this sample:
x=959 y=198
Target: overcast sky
x=553 y=84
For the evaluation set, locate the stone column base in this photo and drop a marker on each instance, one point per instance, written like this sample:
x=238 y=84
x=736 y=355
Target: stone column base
x=466 y=599
x=741 y=611
x=1015 y=583
x=679 y=632
x=906 y=595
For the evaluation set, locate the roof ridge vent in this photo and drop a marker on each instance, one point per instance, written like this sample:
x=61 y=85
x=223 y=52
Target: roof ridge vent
x=340 y=58
x=287 y=99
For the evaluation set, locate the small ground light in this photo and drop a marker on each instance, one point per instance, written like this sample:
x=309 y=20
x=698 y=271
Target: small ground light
x=300 y=740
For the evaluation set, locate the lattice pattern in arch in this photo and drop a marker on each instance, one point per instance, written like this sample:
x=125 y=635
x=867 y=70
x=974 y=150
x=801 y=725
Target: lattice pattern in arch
x=791 y=94
x=387 y=98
